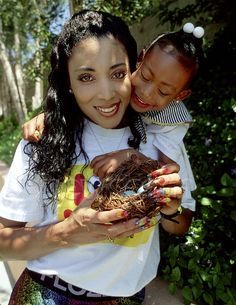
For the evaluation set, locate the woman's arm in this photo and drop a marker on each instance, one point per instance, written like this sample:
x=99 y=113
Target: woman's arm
x=85 y=225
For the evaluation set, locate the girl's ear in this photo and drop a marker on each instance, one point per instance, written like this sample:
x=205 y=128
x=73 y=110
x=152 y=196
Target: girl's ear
x=183 y=94
x=140 y=57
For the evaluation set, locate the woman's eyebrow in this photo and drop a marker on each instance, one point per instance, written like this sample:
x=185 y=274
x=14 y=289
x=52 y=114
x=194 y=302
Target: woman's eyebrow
x=117 y=65
x=84 y=68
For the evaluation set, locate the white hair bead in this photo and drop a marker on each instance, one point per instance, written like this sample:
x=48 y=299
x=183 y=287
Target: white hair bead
x=188 y=27
x=198 y=32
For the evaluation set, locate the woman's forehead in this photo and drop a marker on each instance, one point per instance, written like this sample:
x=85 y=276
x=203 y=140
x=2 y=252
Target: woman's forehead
x=104 y=48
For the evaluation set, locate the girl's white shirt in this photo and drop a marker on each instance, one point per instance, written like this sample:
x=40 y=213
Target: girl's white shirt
x=169 y=140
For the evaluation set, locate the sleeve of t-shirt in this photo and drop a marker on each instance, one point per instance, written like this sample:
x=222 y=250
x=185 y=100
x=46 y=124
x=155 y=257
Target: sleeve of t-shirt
x=169 y=140
x=21 y=201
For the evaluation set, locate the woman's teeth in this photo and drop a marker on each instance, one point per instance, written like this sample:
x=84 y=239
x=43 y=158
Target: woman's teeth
x=107 y=110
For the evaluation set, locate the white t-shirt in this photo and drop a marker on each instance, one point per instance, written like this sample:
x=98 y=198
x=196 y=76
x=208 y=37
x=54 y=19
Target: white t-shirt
x=169 y=140
x=121 y=268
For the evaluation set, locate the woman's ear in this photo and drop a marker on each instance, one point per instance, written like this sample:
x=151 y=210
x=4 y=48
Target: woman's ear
x=140 y=58
x=183 y=94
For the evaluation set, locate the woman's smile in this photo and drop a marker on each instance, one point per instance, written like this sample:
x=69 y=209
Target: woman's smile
x=108 y=111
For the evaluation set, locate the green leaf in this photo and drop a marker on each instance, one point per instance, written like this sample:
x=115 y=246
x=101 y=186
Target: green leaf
x=204 y=275
x=233 y=215
x=187 y=293
x=206 y=201
x=172 y=288
x=226 y=192
x=196 y=292
x=208 y=298
x=192 y=264
x=175 y=274
x=226 y=180
x=215 y=280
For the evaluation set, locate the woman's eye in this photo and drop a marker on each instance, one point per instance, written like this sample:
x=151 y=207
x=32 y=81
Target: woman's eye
x=119 y=74
x=85 y=78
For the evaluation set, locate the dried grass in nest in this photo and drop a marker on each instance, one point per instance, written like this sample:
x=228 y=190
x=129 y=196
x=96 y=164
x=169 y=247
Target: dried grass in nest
x=129 y=176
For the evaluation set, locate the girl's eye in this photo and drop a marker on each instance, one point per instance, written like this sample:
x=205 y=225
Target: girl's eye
x=86 y=78
x=119 y=75
x=143 y=76
x=163 y=93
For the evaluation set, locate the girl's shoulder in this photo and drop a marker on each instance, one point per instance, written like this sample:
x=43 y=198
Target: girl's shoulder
x=174 y=114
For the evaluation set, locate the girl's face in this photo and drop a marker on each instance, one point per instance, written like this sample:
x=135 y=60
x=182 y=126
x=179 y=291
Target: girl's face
x=100 y=79
x=159 y=79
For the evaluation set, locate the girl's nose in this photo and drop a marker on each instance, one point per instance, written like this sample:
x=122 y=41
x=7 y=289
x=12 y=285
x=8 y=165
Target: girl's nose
x=148 y=90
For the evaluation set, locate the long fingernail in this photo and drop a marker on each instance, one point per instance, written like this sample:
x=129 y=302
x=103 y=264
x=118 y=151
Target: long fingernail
x=141 y=222
x=122 y=214
x=165 y=200
x=161 y=171
x=157 y=193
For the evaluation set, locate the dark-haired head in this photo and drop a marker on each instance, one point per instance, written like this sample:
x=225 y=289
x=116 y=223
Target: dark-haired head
x=186 y=47
x=166 y=70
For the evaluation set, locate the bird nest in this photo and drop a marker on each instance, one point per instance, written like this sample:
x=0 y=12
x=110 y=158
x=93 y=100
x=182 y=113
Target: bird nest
x=121 y=189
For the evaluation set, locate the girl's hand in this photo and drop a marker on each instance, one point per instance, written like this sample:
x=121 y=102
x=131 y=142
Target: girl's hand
x=33 y=129
x=105 y=164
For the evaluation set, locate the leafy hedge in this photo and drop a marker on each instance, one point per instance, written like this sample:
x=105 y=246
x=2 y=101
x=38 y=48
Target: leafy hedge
x=203 y=263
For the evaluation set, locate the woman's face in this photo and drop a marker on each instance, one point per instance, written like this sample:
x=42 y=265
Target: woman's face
x=100 y=79
x=159 y=79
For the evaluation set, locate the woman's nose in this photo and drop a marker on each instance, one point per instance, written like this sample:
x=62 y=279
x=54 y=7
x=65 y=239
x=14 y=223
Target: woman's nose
x=106 y=90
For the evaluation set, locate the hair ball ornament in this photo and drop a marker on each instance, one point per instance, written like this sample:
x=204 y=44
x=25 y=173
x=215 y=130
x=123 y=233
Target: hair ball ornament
x=188 y=27
x=198 y=32
x=124 y=189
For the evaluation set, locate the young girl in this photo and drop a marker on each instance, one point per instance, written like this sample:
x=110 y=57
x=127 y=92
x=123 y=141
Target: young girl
x=71 y=259
x=161 y=82
x=165 y=72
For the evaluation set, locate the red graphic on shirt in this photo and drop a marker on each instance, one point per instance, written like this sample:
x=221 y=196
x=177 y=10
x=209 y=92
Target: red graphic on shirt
x=67 y=213
x=79 y=188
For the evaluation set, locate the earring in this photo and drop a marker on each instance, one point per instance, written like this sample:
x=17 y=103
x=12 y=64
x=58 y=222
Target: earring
x=177 y=101
x=70 y=91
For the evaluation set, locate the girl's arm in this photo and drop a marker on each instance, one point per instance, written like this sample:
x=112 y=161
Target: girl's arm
x=32 y=129
x=181 y=226
x=107 y=163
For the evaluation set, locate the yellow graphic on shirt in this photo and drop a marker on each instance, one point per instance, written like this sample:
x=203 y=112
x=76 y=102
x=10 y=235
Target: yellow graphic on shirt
x=75 y=188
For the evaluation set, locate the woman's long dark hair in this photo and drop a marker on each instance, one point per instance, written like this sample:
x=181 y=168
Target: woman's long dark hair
x=54 y=154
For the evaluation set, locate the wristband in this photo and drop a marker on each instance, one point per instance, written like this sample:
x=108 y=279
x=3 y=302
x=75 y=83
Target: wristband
x=171 y=216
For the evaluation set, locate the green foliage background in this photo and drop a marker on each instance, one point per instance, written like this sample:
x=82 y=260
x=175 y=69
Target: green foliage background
x=201 y=264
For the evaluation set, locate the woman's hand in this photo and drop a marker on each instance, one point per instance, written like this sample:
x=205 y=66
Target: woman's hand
x=85 y=225
x=32 y=129
x=105 y=164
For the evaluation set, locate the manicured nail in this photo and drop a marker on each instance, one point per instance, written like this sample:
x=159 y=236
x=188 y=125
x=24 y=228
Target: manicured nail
x=161 y=171
x=157 y=193
x=122 y=214
x=165 y=200
x=141 y=222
